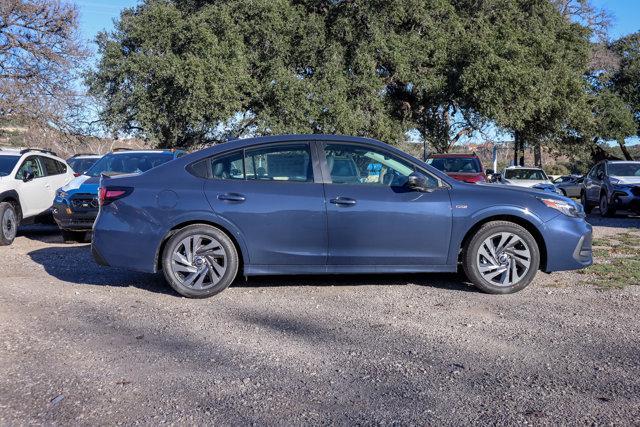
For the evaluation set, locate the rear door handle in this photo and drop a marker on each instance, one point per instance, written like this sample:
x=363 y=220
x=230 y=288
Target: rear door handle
x=343 y=201
x=232 y=197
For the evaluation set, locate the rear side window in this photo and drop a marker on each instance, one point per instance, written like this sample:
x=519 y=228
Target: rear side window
x=52 y=166
x=276 y=163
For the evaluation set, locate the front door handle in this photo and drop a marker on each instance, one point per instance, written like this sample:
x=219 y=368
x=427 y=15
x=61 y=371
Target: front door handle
x=232 y=197
x=343 y=201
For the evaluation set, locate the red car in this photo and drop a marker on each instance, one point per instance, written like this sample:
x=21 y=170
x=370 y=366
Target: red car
x=463 y=167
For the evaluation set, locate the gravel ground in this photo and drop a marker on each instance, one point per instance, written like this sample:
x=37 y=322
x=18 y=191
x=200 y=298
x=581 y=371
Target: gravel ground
x=83 y=344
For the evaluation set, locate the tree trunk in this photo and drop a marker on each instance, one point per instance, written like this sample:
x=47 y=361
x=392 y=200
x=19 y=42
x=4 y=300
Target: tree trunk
x=537 y=156
x=516 y=147
x=624 y=149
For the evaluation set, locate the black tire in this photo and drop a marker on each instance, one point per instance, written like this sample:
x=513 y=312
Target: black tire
x=606 y=210
x=471 y=255
x=585 y=203
x=72 y=236
x=9 y=222
x=228 y=259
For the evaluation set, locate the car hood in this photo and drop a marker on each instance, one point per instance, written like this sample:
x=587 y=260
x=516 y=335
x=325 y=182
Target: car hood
x=627 y=179
x=82 y=184
x=525 y=182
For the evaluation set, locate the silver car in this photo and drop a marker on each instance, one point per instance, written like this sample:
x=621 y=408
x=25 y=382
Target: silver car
x=569 y=185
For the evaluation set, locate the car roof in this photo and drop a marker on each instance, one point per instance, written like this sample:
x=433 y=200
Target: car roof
x=444 y=155
x=523 y=167
x=142 y=151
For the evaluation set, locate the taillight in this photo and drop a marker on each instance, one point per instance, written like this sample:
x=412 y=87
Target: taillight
x=107 y=195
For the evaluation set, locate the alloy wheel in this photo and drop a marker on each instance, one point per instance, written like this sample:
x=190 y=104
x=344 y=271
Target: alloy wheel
x=199 y=261
x=9 y=224
x=503 y=259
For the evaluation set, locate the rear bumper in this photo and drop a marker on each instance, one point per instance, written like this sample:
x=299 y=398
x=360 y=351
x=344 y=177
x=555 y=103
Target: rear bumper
x=68 y=219
x=568 y=243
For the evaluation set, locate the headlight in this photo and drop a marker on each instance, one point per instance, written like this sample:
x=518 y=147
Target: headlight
x=568 y=208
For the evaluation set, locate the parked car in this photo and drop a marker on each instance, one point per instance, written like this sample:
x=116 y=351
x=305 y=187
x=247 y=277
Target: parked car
x=80 y=163
x=612 y=185
x=569 y=185
x=317 y=204
x=522 y=176
x=28 y=180
x=76 y=204
x=463 y=167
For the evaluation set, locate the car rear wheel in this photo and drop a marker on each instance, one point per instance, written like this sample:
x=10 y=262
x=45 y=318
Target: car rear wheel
x=200 y=261
x=585 y=203
x=605 y=207
x=8 y=223
x=501 y=258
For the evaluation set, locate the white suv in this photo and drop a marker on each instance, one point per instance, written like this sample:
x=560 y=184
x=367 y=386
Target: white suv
x=29 y=179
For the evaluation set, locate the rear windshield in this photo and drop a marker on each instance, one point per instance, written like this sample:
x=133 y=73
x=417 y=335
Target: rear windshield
x=532 y=174
x=624 y=169
x=81 y=165
x=7 y=164
x=456 y=164
x=115 y=164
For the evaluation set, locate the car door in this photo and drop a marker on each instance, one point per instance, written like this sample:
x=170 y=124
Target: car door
x=593 y=183
x=373 y=218
x=57 y=175
x=271 y=195
x=35 y=193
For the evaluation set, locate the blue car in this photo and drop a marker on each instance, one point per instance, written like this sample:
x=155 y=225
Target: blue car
x=611 y=185
x=317 y=204
x=75 y=206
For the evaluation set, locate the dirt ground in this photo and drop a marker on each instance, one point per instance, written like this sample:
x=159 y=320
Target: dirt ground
x=82 y=344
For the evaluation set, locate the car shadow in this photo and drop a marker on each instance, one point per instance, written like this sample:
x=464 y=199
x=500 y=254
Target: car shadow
x=46 y=233
x=450 y=281
x=619 y=220
x=75 y=264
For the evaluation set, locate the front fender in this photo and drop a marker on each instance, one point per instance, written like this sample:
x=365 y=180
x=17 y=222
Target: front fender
x=464 y=224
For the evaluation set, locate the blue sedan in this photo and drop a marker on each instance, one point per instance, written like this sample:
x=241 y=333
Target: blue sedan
x=318 y=204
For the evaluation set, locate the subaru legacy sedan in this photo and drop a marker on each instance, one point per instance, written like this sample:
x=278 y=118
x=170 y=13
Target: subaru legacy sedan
x=317 y=204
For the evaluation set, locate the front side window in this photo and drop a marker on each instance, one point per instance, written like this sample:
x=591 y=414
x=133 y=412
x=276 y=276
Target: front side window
x=352 y=164
x=32 y=165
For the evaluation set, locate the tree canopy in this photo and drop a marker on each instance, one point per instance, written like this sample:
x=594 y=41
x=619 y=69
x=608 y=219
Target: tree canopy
x=190 y=72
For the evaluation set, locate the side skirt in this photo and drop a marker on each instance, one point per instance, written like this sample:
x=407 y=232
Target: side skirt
x=265 y=270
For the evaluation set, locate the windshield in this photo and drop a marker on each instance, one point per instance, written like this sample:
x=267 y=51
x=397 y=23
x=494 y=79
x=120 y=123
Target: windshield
x=81 y=165
x=7 y=164
x=115 y=164
x=624 y=169
x=456 y=164
x=526 y=174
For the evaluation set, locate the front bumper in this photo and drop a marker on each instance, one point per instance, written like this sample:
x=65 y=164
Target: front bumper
x=626 y=198
x=568 y=243
x=75 y=218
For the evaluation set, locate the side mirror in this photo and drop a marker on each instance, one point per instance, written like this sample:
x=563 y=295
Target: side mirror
x=417 y=182
x=27 y=176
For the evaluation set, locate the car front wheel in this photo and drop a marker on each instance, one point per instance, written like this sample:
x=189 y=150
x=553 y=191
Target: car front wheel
x=605 y=207
x=8 y=223
x=501 y=258
x=200 y=261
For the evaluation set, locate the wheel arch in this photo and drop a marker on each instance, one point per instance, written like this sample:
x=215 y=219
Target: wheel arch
x=243 y=257
x=526 y=224
x=12 y=197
